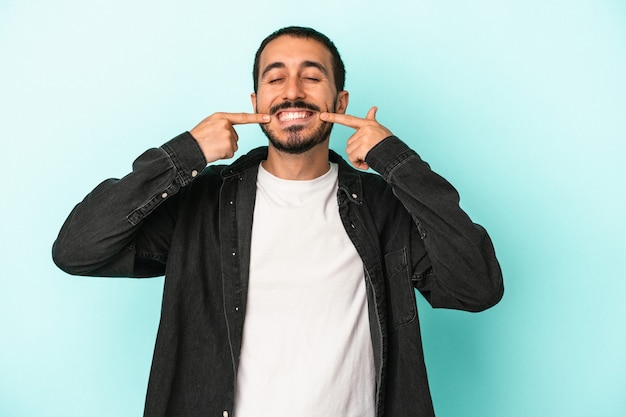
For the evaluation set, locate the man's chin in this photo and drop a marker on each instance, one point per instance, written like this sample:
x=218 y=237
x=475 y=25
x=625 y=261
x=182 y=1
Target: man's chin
x=294 y=141
x=292 y=148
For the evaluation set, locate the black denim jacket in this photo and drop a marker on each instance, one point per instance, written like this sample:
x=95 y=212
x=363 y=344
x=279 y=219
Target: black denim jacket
x=173 y=216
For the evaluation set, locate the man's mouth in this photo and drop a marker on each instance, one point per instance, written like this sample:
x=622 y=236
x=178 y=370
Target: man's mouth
x=296 y=112
x=293 y=115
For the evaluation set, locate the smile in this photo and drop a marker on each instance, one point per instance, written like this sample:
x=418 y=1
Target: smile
x=289 y=116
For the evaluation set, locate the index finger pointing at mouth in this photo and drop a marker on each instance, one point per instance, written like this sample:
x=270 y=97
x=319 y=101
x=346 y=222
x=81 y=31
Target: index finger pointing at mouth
x=343 y=119
x=245 y=118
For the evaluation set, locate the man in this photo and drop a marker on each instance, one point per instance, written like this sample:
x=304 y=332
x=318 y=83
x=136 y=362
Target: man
x=289 y=274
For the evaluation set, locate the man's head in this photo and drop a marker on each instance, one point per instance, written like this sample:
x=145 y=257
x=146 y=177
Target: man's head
x=298 y=74
x=338 y=68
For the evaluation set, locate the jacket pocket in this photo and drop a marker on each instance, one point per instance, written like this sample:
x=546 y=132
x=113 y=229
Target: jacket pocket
x=401 y=305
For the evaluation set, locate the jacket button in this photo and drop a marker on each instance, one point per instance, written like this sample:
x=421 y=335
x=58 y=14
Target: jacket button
x=354 y=196
x=194 y=173
x=225 y=413
x=164 y=195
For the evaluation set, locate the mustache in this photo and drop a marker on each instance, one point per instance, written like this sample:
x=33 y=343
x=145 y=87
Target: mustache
x=298 y=104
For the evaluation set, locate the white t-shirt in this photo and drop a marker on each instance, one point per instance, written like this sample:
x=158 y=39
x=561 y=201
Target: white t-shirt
x=307 y=349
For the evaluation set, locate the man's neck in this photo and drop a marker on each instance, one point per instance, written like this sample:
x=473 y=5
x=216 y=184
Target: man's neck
x=299 y=167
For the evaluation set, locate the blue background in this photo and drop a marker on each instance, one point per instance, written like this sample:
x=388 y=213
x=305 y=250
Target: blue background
x=520 y=104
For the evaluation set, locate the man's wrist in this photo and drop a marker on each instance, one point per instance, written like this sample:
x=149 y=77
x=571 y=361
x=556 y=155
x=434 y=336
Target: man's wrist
x=387 y=154
x=186 y=155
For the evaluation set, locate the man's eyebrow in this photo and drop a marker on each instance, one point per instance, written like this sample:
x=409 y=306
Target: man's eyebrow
x=272 y=66
x=304 y=64
x=315 y=64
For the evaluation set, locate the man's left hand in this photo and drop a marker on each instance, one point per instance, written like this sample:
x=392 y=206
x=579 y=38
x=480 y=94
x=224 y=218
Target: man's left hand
x=368 y=134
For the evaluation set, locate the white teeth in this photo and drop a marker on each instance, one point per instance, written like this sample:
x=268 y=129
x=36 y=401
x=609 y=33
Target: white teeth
x=293 y=115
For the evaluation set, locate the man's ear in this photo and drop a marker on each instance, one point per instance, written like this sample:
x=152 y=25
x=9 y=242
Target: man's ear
x=253 y=99
x=342 y=102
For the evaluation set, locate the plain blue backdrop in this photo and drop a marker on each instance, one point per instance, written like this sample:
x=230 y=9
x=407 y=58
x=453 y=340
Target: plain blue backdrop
x=520 y=104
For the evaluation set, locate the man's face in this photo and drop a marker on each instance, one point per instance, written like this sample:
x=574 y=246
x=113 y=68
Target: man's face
x=295 y=85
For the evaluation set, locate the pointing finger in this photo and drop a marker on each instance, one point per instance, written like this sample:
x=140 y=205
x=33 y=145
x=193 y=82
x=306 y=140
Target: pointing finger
x=245 y=118
x=344 y=119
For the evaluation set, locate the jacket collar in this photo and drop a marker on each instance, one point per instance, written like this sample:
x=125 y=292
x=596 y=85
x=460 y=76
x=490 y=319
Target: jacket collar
x=349 y=178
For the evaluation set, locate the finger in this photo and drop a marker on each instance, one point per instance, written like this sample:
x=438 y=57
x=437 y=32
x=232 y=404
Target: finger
x=245 y=118
x=234 y=136
x=235 y=144
x=352 y=144
x=357 y=150
x=356 y=138
x=371 y=114
x=344 y=119
x=358 y=162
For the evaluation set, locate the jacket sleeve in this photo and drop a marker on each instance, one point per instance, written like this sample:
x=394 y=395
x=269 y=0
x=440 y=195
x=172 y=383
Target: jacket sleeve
x=123 y=227
x=463 y=272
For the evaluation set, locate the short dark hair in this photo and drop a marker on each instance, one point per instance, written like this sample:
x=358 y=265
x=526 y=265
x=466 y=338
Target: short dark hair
x=339 y=70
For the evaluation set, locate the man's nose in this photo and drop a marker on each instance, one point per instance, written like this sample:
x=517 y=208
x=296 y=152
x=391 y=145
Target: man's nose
x=293 y=89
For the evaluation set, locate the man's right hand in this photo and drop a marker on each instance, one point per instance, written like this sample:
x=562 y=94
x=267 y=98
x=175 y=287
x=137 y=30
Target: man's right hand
x=217 y=137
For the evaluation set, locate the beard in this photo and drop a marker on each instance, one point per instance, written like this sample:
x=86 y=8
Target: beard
x=297 y=142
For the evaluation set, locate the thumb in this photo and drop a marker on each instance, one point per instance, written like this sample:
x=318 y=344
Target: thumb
x=371 y=114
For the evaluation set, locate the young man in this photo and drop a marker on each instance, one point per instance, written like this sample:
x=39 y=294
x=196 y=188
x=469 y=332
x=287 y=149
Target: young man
x=290 y=275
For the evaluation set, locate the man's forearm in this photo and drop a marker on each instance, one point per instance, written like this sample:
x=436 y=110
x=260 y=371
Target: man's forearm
x=97 y=238
x=467 y=274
